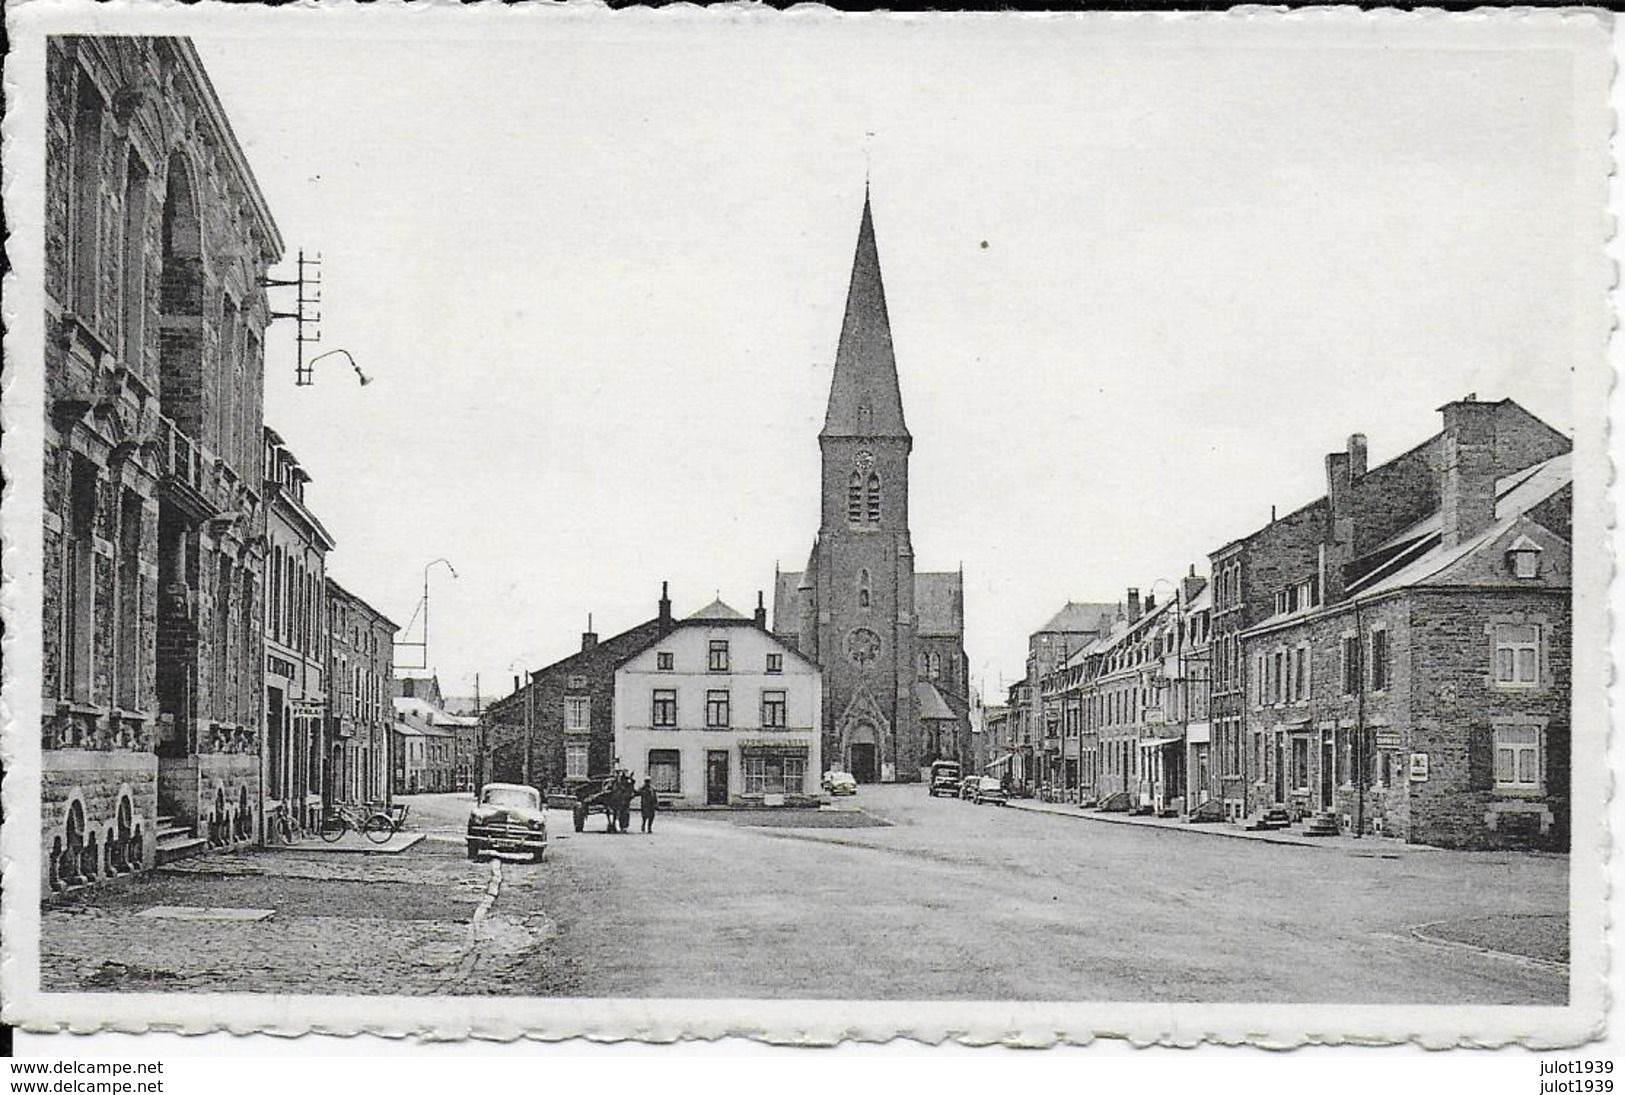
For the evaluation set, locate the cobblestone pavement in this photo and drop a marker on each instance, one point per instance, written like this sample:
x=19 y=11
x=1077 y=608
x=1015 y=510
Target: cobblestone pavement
x=900 y=896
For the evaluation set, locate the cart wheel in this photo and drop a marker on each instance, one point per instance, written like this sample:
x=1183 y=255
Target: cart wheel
x=379 y=828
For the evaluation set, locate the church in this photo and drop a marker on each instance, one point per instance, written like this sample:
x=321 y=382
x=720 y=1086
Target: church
x=891 y=641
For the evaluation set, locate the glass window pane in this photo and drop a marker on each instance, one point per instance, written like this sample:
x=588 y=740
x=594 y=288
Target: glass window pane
x=1503 y=664
x=1503 y=765
x=1526 y=766
x=1526 y=665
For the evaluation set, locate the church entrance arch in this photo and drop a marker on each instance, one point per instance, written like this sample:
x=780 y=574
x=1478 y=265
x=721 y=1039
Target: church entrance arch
x=863 y=751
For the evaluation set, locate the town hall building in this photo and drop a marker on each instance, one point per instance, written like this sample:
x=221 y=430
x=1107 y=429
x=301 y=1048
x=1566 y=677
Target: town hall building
x=890 y=641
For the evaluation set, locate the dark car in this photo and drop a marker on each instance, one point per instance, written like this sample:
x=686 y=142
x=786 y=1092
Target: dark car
x=944 y=778
x=509 y=817
x=989 y=789
x=967 y=787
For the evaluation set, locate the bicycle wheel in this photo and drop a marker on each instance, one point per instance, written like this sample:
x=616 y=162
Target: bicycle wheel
x=379 y=828
x=334 y=826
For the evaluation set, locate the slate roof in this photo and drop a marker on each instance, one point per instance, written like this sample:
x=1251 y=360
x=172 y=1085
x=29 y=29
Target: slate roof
x=718 y=610
x=1081 y=616
x=932 y=705
x=865 y=367
x=939 y=603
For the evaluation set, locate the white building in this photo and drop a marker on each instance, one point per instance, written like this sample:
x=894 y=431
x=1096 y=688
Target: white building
x=719 y=712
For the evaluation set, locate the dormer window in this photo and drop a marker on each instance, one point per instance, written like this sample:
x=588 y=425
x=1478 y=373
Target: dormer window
x=1523 y=558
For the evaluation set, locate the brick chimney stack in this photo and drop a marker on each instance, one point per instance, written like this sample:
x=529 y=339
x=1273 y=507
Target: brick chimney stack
x=665 y=607
x=760 y=615
x=1133 y=604
x=1467 y=492
x=1191 y=585
x=1357 y=456
x=1339 y=535
x=589 y=637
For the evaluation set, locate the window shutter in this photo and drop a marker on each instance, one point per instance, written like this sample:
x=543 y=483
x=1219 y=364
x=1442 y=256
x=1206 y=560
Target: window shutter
x=1480 y=758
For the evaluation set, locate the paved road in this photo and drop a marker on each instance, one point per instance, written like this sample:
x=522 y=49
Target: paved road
x=896 y=896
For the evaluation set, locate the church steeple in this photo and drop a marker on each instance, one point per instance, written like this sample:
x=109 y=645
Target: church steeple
x=864 y=399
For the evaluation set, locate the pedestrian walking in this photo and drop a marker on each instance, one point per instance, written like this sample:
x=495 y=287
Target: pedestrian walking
x=648 y=803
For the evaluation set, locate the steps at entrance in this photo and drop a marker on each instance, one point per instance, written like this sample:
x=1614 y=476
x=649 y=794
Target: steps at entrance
x=174 y=840
x=1275 y=817
x=1323 y=823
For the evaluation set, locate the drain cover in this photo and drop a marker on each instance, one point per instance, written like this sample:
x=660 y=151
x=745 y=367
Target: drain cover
x=200 y=912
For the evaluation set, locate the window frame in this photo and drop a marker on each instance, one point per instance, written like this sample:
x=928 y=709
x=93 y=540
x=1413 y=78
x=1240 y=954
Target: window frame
x=717 y=657
x=1518 y=750
x=718 y=701
x=1535 y=648
x=663 y=702
x=775 y=709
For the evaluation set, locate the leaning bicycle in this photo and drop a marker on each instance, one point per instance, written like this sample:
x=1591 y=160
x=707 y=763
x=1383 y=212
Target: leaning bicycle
x=342 y=817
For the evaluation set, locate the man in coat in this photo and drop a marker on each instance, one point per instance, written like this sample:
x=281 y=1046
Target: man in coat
x=648 y=803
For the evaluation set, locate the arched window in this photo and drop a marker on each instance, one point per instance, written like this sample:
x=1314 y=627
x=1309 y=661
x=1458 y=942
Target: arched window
x=134 y=280
x=180 y=294
x=871 y=499
x=85 y=212
x=854 y=498
x=863 y=588
x=936 y=666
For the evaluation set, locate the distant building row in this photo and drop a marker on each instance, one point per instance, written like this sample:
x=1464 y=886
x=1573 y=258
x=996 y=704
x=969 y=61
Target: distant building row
x=1392 y=658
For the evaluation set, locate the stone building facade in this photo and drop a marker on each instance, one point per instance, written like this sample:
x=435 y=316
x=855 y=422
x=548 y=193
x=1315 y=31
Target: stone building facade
x=859 y=609
x=1303 y=559
x=360 y=661
x=1423 y=692
x=564 y=713
x=156 y=238
x=293 y=773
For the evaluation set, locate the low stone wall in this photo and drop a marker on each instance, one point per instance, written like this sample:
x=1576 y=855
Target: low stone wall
x=228 y=798
x=98 y=813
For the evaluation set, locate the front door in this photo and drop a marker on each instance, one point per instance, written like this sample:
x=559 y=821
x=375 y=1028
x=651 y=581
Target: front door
x=1280 y=768
x=1328 y=761
x=863 y=762
x=716 y=777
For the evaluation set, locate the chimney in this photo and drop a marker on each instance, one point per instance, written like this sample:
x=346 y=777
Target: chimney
x=1133 y=604
x=1467 y=492
x=1191 y=585
x=589 y=637
x=665 y=608
x=516 y=684
x=1339 y=533
x=761 y=612
x=1150 y=601
x=1356 y=456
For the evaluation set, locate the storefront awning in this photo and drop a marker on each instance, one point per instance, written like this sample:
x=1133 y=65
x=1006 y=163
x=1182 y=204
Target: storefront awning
x=1158 y=743
x=768 y=745
x=1002 y=762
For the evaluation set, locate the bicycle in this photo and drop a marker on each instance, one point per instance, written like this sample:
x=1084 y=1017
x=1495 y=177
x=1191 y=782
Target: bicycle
x=285 y=826
x=340 y=818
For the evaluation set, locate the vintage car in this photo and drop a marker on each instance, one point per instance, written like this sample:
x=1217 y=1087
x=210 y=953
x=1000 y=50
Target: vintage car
x=967 y=787
x=840 y=783
x=988 y=789
x=944 y=778
x=508 y=817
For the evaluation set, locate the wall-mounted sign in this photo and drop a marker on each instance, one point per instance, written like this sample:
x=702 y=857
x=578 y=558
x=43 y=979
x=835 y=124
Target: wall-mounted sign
x=1419 y=767
x=1387 y=738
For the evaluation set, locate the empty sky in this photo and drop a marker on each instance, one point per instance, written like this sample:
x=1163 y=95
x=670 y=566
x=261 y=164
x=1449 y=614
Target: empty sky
x=1140 y=282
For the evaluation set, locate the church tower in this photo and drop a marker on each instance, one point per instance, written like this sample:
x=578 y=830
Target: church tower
x=863 y=586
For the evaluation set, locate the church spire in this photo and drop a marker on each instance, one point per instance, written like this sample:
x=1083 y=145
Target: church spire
x=864 y=400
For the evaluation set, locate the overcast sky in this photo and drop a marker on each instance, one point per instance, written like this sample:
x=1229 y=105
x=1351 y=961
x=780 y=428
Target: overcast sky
x=1138 y=290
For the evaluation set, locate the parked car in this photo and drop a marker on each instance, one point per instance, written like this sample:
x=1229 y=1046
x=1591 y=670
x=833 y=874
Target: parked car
x=509 y=817
x=840 y=783
x=988 y=789
x=944 y=777
x=967 y=787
